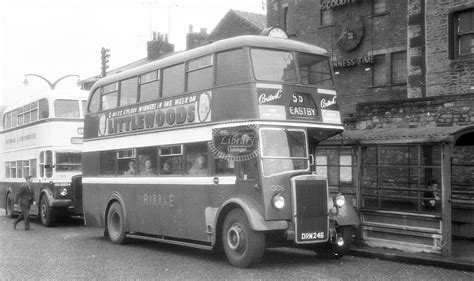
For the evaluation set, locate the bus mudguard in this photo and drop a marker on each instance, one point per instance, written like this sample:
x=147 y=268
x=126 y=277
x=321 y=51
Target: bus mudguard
x=347 y=215
x=255 y=217
x=115 y=196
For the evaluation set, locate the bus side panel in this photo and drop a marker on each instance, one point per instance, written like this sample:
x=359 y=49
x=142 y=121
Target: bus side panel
x=91 y=208
x=173 y=210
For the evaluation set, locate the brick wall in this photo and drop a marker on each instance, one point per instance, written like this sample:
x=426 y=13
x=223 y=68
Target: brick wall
x=445 y=76
x=382 y=35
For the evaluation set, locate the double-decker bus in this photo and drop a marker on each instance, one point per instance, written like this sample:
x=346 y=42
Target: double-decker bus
x=42 y=137
x=212 y=148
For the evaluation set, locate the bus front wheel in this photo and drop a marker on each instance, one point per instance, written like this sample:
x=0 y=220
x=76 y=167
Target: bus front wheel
x=9 y=205
x=45 y=212
x=116 y=224
x=243 y=246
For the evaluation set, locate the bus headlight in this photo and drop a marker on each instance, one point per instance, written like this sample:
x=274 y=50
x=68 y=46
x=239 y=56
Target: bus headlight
x=63 y=191
x=339 y=200
x=278 y=201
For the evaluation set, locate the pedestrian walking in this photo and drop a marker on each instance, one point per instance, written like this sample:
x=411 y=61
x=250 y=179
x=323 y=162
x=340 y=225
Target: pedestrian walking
x=25 y=197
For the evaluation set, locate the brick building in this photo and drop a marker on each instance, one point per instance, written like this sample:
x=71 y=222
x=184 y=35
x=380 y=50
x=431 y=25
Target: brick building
x=405 y=81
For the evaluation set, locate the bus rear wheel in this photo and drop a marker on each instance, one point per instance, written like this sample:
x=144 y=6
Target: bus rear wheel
x=243 y=246
x=10 y=202
x=116 y=224
x=45 y=212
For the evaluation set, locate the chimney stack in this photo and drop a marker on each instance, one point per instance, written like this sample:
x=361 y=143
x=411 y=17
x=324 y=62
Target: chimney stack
x=158 y=46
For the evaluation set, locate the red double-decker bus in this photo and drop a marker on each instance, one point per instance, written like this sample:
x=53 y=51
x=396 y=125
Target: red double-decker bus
x=212 y=148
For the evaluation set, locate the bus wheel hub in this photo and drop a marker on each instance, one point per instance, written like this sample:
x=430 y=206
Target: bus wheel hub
x=235 y=237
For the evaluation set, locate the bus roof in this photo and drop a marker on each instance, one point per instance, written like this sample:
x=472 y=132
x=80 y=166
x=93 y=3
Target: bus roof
x=222 y=45
x=49 y=94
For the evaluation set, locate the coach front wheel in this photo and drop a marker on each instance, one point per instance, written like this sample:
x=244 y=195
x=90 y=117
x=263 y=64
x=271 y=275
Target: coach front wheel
x=116 y=224
x=45 y=211
x=243 y=246
x=9 y=205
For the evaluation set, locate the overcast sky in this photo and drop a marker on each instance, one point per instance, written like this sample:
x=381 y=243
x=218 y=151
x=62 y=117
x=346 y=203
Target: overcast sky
x=54 y=38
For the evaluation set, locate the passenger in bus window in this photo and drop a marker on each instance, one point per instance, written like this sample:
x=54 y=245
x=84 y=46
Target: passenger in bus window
x=148 y=170
x=131 y=169
x=200 y=168
x=166 y=170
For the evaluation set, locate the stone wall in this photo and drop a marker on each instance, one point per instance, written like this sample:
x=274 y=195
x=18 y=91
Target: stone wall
x=449 y=110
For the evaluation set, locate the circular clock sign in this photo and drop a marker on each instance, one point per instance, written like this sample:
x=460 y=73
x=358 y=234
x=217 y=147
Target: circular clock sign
x=352 y=32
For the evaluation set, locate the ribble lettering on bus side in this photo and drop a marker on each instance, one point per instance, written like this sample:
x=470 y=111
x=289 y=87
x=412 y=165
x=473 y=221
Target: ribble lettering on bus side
x=161 y=199
x=153 y=119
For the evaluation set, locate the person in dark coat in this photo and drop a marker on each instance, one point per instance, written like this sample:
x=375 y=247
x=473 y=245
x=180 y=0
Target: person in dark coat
x=25 y=198
x=431 y=197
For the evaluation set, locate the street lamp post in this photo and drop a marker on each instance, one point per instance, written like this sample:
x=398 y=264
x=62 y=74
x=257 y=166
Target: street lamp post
x=52 y=85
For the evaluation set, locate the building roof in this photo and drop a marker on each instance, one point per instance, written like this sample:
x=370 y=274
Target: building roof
x=236 y=23
x=402 y=135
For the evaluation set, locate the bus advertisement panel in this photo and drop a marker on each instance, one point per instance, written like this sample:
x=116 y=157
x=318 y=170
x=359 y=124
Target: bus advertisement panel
x=42 y=137
x=213 y=148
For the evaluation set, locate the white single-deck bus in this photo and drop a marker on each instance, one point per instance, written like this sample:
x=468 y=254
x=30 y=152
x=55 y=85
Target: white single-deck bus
x=213 y=148
x=42 y=137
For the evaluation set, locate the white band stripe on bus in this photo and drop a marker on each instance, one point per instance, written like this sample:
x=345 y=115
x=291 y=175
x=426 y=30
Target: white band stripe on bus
x=160 y=180
x=157 y=138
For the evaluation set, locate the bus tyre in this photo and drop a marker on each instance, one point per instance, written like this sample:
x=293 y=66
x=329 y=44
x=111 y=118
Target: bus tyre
x=116 y=224
x=243 y=246
x=336 y=251
x=45 y=212
x=10 y=202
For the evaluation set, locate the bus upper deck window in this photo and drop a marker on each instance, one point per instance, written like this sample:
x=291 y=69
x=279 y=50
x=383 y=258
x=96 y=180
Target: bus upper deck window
x=43 y=109
x=109 y=96
x=149 y=86
x=66 y=108
x=231 y=67
x=272 y=65
x=94 y=105
x=315 y=69
x=173 y=80
x=128 y=91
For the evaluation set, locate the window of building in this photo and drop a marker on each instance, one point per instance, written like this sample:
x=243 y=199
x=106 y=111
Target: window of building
x=199 y=74
x=231 y=67
x=463 y=29
x=149 y=86
x=128 y=91
x=109 y=96
x=378 y=7
x=379 y=71
x=196 y=159
x=326 y=17
x=171 y=160
x=173 y=80
x=399 y=67
x=66 y=108
x=401 y=177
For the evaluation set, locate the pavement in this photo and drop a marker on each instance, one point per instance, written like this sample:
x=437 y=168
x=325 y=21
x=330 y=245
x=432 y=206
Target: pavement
x=462 y=260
